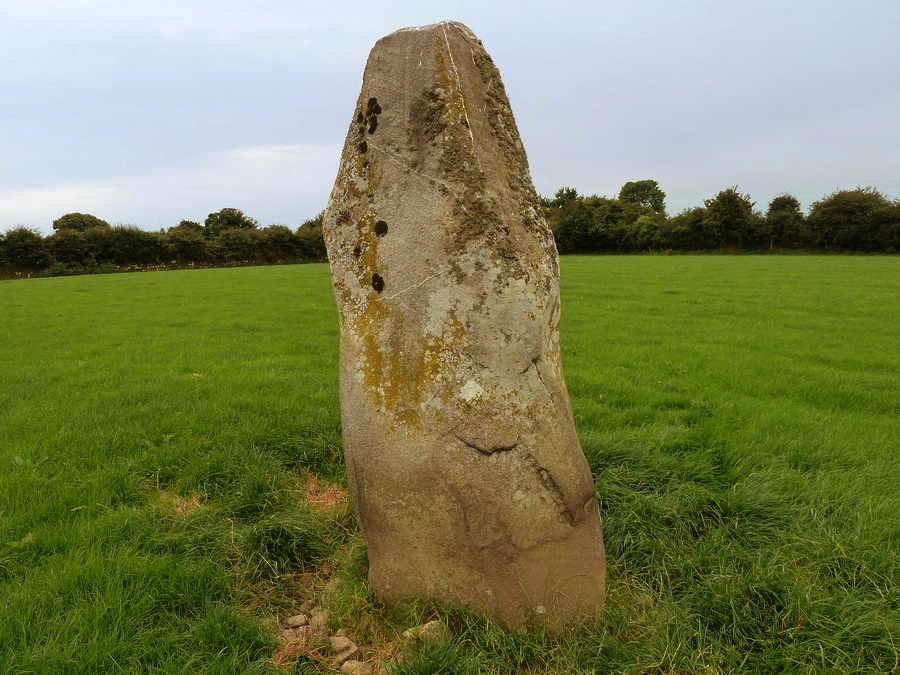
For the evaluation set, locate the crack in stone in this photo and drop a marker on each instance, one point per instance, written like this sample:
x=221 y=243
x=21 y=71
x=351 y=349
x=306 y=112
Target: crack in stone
x=552 y=487
x=440 y=272
x=462 y=97
x=406 y=165
x=532 y=364
x=537 y=370
x=486 y=450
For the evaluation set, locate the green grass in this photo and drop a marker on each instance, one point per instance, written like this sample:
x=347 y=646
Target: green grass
x=740 y=415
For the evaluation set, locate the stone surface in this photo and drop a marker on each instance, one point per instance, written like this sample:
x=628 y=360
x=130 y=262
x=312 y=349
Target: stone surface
x=435 y=632
x=320 y=619
x=464 y=468
x=304 y=631
x=344 y=647
x=356 y=668
x=346 y=654
x=320 y=637
x=296 y=621
x=341 y=642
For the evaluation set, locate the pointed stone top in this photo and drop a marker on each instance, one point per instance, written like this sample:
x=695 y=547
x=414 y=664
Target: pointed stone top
x=441 y=24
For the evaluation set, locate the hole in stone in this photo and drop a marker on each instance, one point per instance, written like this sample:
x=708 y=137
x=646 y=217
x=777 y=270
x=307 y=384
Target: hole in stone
x=363 y=146
x=357 y=251
x=373 y=103
x=373 y=124
x=377 y=282
x=381 y=228
x=359 y=118
x=376 y=109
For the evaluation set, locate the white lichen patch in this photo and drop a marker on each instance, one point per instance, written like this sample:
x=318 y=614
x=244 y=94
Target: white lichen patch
x=470 y=391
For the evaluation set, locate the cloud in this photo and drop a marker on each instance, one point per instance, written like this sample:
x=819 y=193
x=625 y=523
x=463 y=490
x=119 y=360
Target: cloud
x=272 y=183
x=38 y=207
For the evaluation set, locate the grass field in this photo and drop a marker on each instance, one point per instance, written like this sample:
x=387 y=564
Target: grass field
x=166 y=440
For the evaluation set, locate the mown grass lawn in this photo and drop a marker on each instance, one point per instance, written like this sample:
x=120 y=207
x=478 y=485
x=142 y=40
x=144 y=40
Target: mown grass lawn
x=163 y=437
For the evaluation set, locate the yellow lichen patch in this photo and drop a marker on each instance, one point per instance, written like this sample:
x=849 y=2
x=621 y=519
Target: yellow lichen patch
x=367 y=262
x=398 y=375
x=439 y=355
x=409 y=418
x=368 y=327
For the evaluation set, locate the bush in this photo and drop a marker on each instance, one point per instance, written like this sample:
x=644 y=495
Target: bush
x=311 y=239
x=64 y=270
x=730 y=220
x=78 y=222
x=131 y=245
x=583 y=224
x=683 y=232
x=784 y=222
x=24 y=246
x=281 y=244
x=863 y=219
x=187 y=244
x=645 y=192
x=241 y=244
x=69 y=246
x=227 y=219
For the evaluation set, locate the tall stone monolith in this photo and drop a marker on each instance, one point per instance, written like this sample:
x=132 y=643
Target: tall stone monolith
x=465 y=471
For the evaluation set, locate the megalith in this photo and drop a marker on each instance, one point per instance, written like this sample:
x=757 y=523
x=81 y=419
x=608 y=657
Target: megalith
x=465 y=472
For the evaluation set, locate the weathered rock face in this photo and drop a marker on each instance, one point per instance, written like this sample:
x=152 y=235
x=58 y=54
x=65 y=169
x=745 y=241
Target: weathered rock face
x=464 y=467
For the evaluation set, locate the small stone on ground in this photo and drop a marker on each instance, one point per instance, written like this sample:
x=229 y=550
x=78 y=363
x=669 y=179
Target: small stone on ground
x=356 y=668
x=320 y=619
x=434 y=632
x=296 y=621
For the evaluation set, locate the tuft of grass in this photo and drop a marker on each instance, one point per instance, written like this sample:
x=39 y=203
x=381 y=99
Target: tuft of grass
x=292 y=541
x=431 y=659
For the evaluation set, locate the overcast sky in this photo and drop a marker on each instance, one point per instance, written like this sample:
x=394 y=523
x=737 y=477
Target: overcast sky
x=152 y=111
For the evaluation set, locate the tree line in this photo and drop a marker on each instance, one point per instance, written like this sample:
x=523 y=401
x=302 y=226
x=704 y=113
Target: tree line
x=82 y=243
x=863 y=220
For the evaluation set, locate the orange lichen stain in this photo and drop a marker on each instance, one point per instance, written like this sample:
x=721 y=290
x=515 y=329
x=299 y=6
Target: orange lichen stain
x=367 y=264
x=409 y=418
x=440 y=355
x=397 y=376
x=369 y=327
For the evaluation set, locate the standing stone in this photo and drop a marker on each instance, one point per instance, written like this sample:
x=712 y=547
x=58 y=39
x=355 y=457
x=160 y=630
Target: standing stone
x=464 y=468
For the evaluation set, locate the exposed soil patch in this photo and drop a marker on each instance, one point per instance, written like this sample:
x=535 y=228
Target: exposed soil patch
x=180 y=505
x=322 y=495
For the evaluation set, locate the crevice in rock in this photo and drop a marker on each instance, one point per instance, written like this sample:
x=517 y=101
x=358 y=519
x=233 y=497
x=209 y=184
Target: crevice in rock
x=485 y=449
x=416 y=285
x=462 y=97
x=552 y=487
x=531 y=364
x=537 y=370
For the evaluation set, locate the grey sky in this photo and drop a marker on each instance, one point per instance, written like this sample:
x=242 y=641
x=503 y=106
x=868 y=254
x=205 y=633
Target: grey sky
x=151 y=111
